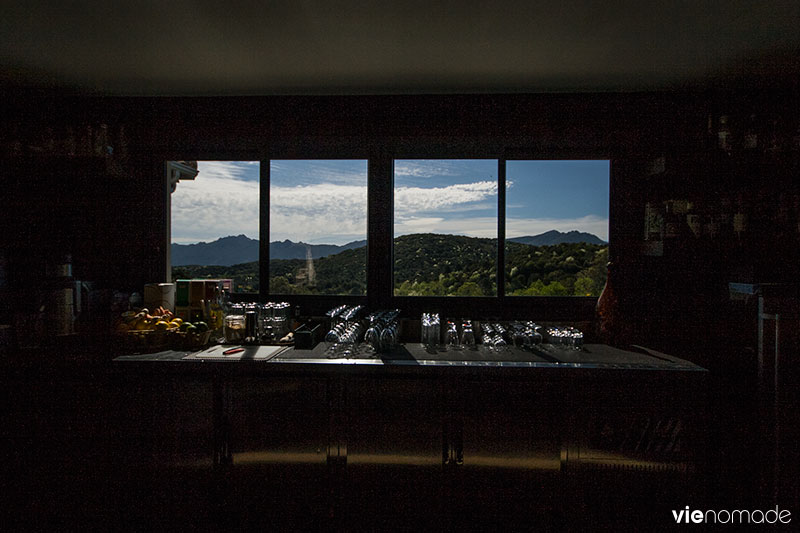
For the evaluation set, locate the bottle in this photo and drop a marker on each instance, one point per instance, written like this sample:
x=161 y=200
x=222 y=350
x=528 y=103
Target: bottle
x=677 y=235
x=70 y=144
x=772 y=143
x=653 y=222
x=609 y=321
x=796 y=214
x=795 y=146
x=750 y=135
x=100 y=142
x=59 y=307
x=694 y=221
x=726 y=218
x=724 y=137
x=740 y=219
x=671 y=220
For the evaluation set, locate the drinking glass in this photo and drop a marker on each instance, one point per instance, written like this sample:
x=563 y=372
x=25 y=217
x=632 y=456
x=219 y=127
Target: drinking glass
x=332 y=339
x=430 y=330
x=498 y=338
x=468 y=336
x=372 y=337
x=577 y=339
x=487 y=337
x=388 y=339
x=349 y=341
x=534 y=335
x=451 y=337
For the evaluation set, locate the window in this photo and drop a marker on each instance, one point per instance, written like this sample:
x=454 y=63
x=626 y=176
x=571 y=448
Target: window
x=318 y=227
x=446 y=217
x=215 y=221
x=445 y=227
x=556 y=227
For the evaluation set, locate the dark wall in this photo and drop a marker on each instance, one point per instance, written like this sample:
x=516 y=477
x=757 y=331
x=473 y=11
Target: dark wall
x=110 y=212
x=127 y=206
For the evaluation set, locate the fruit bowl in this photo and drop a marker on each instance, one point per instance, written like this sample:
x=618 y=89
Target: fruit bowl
x=147 y=340
x=183 y=340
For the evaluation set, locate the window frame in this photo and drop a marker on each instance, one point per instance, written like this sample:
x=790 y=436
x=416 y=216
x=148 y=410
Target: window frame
x=380 y=230
x=500 y=202
x=264 y=294
x=575 y=156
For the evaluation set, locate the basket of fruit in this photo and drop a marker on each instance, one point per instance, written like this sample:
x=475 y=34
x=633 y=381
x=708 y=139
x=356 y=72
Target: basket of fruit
x=143 y=332
x=191 y=336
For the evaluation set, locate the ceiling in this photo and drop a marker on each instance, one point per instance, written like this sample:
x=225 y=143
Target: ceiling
x=193 y=47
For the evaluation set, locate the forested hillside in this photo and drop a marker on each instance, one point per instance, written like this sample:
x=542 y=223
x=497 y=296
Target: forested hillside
x=433 y=265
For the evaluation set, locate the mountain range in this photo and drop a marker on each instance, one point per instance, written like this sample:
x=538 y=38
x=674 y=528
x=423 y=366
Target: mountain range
x=234 y=250
x=549 y=238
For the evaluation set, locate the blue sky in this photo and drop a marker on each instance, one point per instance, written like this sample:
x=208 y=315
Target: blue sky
x=455 y=196
x=561 y=195
x=325 y=201
x=460 y=197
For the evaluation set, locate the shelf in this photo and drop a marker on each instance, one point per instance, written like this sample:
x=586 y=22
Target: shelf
x=50 y=164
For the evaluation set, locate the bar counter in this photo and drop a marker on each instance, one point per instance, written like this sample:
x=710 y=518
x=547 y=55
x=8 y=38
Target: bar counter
x=411 y=355
x=464 y=436
x=416 y=439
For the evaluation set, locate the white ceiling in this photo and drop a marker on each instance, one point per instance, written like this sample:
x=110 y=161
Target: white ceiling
x=192 y=47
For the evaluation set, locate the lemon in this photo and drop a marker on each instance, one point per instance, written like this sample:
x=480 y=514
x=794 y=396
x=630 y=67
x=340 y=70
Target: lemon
x=162 y=325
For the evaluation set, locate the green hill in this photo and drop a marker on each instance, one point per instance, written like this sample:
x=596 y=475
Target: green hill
x=429 y=264
x=433 y=265
x=567 y=269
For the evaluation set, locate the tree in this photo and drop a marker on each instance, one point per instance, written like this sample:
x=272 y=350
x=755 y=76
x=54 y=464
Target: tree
x=279 y=285
x=584 y=287
x=554 y=288
x=469 y=289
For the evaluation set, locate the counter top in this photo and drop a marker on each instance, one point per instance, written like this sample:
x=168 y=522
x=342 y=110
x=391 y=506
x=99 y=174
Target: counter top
x=591 y=356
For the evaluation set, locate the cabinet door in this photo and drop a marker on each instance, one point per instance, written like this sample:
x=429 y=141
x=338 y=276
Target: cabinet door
x=512 y=436
x=279 y=432
x=393 y=432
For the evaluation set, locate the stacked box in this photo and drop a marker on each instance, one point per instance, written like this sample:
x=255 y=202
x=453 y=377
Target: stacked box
x=189 y=294
x=197 y=292
x=182 y=293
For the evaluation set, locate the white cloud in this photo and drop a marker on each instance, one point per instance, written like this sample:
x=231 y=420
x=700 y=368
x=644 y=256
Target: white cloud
x=229 y=170
x=423 y=169
x=222 y=202
x=329 y=213
x=319 y=172
x=214 y=205
x=410 y=200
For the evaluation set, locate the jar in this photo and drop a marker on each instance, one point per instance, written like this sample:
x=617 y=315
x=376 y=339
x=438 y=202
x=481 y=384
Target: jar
x=234 y=329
